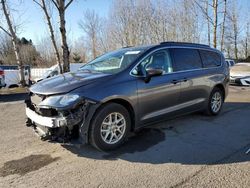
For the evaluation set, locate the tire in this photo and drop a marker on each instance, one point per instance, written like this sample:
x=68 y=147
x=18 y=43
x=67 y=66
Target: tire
x=105 y=133
x=215 y=102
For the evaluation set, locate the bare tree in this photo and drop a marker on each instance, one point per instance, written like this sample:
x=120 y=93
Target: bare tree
x=12 y=33
x=43 y=6
x=208 y=23
x=46 y=51
x=205 y=8
x=91 y=26
x=215 y=22
x=247 y=37
x=79 y=48
x=234 y=24
x=223 y=25
x=61 y=6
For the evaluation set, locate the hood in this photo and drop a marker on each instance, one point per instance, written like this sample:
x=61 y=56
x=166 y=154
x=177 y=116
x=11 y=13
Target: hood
x=240 y=70
x=65 y=83
x=240 y=74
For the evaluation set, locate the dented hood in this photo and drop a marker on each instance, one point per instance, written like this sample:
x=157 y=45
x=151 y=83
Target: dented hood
x=65 y=83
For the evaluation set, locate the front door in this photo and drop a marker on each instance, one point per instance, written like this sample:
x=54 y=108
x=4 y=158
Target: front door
x=160 y=95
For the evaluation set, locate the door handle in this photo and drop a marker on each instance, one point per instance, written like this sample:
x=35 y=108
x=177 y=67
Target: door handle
x=184 y=79
x=175 y=81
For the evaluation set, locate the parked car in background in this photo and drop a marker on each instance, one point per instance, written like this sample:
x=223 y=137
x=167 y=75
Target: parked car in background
x=127 y=89
x=54 y=70
x=240 y=74
x=230 y=62
x=12 y=78
x=2 y=78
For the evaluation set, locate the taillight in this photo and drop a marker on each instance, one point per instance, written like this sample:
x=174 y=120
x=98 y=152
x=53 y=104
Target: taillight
x=1 y=72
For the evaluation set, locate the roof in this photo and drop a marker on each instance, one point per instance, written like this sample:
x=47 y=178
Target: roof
x=187 y=44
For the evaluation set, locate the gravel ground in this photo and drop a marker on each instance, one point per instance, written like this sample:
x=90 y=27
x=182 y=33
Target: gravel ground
x=191 y=151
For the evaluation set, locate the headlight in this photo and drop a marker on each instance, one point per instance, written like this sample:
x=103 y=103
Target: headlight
x=68 y=99
x=60 y=101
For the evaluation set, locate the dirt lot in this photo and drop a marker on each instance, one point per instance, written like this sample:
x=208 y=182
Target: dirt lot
x=192 y=151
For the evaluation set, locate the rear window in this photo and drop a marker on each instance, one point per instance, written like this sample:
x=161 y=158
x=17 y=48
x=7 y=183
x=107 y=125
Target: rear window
x=210 y=59
x=186 y=59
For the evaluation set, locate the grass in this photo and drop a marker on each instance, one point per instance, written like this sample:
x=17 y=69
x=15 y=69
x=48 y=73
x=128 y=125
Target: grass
x=13 y=90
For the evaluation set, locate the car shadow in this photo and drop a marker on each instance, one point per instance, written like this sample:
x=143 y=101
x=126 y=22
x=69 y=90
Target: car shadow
x=13 y=97
x=191 y=139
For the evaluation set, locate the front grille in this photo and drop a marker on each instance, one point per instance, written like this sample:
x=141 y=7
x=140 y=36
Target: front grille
x=47 y=112
x=33 y=105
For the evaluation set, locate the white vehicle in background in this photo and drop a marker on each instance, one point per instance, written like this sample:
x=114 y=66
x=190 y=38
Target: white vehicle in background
x=2 y=78
x=12 y=78
x=230 y=62
x=54 y=70
x=240 y=74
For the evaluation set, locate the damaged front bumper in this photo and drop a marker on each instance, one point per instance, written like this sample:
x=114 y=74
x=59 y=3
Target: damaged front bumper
x=61 y=124
x=51 y=122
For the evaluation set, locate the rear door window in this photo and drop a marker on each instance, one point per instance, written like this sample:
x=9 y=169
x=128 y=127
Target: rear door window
x=186 y=59
x=210 y=59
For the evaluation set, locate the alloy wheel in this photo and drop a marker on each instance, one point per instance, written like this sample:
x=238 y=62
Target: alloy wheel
x=216 y=102
x=113 y=128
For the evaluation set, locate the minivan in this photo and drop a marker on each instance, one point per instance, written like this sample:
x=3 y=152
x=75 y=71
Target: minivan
x=125 y=90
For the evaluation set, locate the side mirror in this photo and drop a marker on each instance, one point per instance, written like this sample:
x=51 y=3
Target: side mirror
x=151 y=73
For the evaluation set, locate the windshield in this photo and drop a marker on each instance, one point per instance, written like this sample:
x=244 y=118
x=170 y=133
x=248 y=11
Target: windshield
x=46 y=74
x=113 y=62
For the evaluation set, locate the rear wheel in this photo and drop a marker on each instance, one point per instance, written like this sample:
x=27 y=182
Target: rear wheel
x=110 y=127
x=215 y=102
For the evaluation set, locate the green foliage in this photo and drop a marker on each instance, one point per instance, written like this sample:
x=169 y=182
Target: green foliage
x=76 y=58
x=28 y=52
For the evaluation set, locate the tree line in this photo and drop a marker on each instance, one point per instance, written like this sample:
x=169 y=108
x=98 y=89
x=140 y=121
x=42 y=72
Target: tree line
x=218 y=23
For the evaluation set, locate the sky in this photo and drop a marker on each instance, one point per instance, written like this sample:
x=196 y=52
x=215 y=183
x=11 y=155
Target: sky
x=34 y=26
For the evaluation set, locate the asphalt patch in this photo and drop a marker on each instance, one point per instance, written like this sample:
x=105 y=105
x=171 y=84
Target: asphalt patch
x=26 y=165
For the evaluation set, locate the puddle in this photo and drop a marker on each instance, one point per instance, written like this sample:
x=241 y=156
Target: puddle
x=26 y=165
x=142 y=141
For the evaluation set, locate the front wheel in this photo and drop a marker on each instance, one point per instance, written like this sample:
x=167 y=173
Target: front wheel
x=110 y=127
x=215 y=102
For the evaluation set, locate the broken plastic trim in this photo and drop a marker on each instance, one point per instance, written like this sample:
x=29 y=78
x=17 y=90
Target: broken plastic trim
x=77 y=120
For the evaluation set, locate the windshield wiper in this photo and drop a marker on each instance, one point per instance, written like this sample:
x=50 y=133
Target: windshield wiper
x=86 y=70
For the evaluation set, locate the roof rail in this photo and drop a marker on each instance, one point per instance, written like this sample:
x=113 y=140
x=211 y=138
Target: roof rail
x=171 y=43
x=127 y=46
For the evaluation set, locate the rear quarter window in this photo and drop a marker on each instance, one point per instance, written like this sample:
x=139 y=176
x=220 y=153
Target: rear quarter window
x=210 y=59
x=186 y=59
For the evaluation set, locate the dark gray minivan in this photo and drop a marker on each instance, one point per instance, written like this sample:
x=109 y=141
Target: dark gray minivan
x=128 y=89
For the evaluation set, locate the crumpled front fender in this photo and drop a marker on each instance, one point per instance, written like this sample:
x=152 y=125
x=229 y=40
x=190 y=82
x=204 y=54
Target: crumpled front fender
x=84 y=127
